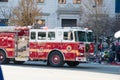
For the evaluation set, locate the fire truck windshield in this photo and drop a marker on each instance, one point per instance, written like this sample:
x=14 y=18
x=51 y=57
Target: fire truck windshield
x=90 y=36
x=81 y=36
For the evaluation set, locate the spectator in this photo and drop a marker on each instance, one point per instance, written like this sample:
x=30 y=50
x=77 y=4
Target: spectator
x=1 y=75
x=100 y=46
x=118 y=52
x=38 y=25
x=112 y=53
x=105 y=55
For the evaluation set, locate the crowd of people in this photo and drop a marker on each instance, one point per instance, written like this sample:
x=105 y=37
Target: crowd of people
x=114 y=52
x=108 y=55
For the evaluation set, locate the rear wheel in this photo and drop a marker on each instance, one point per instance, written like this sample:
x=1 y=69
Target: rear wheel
x=3 y=58
x=72 y=63
x=55 y=59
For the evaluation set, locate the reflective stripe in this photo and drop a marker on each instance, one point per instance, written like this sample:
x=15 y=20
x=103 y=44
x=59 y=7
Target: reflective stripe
x=32 y=50
x=9 y=49
x=40 y=50
x=48 y=50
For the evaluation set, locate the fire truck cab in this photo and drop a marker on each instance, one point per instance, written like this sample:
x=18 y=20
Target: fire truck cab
x=56 y=46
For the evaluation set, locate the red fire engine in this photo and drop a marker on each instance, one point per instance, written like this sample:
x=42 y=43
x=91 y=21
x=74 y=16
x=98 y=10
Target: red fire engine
x=56 y=46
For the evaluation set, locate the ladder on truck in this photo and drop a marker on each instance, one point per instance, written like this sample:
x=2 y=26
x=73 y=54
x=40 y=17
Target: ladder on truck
x=7 y=29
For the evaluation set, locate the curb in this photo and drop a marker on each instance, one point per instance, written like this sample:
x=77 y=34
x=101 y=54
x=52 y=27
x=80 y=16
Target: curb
x=115 y=63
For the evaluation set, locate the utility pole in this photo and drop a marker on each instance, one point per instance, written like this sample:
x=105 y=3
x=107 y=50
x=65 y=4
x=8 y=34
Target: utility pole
x=96 y=19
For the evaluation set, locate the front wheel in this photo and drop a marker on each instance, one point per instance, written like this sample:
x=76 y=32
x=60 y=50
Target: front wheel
x=3 y=58
x=55 y=59
x=72 y=63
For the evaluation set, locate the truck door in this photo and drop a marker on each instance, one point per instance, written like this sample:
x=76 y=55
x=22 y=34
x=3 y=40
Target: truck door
x=22 y=48
x=33 y=45
x=41 y=44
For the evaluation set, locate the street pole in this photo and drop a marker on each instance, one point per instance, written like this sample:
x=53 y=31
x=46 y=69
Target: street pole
x=96 y=16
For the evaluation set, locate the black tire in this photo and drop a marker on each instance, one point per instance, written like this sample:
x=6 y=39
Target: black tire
x=55 y=59
x=72 y=63
x=3 y=58
x=19 y=62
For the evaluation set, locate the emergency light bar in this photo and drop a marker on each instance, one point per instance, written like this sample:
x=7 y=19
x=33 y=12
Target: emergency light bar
x=44 y=27
x=69 y=28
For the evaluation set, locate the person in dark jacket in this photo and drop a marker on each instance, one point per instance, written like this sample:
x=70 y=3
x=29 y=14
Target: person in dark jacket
x=38 y=25
x=113 y=47
x=118 y=52
x=100 y=46
x=112 y=53
x=1 y=74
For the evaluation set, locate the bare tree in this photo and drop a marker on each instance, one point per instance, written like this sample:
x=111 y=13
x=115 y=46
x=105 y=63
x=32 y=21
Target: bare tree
x=25 y=13
x=116 y=23
x=96 y=16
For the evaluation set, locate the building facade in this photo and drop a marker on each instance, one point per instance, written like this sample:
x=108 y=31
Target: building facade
x=61 y=13
x=57 y=13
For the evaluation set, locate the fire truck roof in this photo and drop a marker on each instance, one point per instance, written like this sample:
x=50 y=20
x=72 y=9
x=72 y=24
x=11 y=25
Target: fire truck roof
x=63 y=29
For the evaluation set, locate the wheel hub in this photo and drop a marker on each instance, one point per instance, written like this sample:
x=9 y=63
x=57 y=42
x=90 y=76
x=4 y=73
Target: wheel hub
x=56 y=59
x=1 y=57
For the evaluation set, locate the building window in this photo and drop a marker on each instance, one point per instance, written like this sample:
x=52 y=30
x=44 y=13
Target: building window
x=61 y=1
x=99 y=2
x=76 y=1
x=3 y=0
x=40 y=1
x=69 y=22
x=3 y=22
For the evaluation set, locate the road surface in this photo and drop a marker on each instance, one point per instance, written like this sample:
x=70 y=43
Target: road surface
x=36 y=71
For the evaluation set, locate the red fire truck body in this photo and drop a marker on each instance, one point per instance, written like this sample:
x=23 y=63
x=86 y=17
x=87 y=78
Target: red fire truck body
x=7 y=43
x=56 y=46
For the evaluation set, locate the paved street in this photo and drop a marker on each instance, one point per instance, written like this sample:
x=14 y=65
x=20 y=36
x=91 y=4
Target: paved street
x=31 y=71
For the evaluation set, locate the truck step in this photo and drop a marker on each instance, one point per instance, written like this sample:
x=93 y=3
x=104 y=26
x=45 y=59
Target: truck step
x=22 y=58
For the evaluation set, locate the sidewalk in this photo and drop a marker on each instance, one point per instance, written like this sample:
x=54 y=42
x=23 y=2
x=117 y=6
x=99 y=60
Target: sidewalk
x=106 y=63
x=115 y=63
